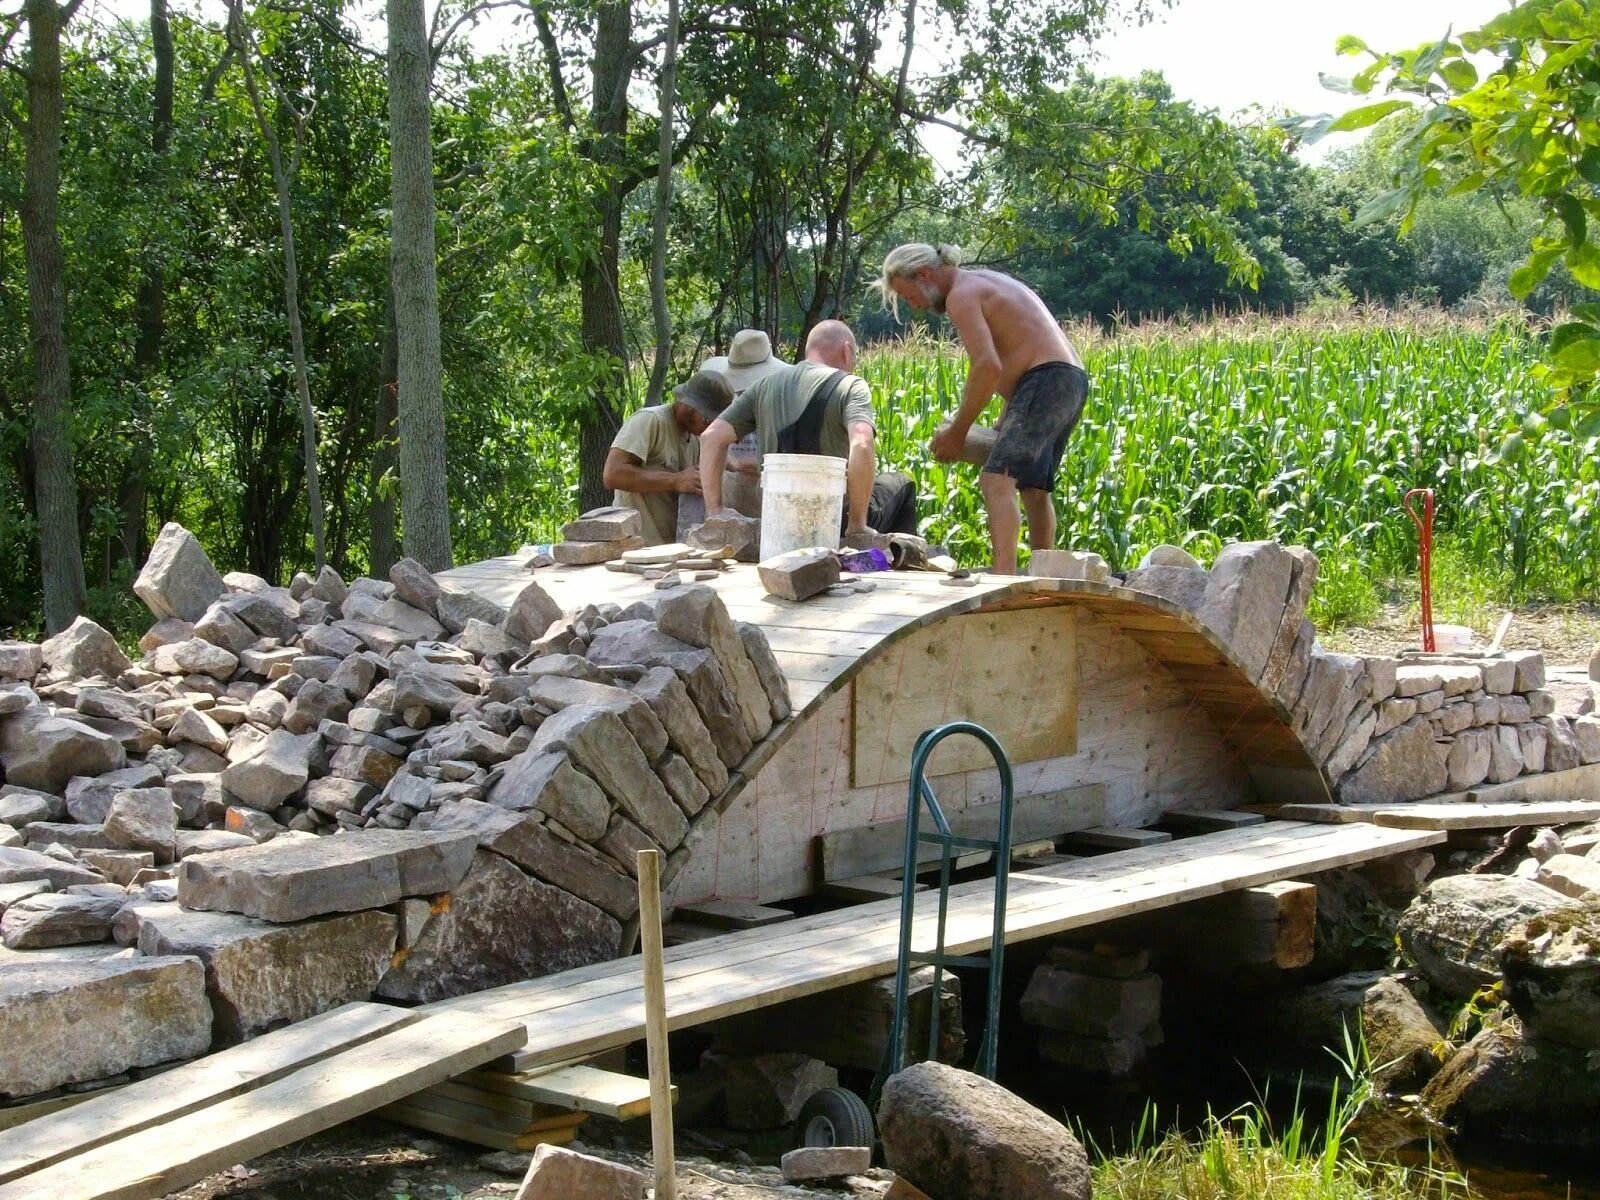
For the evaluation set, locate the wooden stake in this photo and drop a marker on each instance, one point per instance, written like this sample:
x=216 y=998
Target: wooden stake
x=655 y=1024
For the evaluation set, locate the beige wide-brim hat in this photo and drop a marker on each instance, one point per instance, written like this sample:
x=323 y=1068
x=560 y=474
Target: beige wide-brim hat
x=748 y=360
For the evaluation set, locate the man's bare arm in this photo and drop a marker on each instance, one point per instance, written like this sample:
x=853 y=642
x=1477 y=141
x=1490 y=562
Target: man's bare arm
x=983 y=360
x=626 y=472
x=714 y=443
x=861 y=468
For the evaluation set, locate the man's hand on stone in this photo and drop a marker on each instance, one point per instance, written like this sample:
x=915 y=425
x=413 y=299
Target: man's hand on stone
x=687 y=481
x=948 y=443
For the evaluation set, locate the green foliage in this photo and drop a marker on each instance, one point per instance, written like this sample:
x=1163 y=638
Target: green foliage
x=1302 y=433
x=1527 y=128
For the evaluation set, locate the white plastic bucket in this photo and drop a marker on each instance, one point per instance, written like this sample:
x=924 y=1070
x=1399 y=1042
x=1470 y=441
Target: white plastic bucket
x=802 y=502
x=1448 y=639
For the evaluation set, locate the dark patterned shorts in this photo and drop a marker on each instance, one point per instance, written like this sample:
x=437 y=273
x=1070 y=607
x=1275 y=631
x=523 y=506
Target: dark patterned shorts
x=1033 y=431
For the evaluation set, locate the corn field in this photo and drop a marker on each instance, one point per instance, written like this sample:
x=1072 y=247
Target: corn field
x=1306 y=433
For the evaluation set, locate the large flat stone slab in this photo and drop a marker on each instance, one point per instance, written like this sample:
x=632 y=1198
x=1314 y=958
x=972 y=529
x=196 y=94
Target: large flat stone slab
x=261 y=976
x=291 y=880
x=72 y=1021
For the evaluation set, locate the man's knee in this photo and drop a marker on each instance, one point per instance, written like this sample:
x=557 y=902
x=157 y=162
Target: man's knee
x=996 y=487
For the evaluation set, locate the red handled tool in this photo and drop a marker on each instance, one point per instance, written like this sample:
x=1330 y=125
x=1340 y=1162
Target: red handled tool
x=1424 y=525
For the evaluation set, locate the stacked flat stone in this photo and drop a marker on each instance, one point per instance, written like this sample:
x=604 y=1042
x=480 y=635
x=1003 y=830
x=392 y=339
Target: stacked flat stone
x=1382 y=729
x=181 y=806
x=598 y=536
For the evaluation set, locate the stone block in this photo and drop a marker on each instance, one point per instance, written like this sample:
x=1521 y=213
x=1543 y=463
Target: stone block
x=144 y=819
x=75 y=1021
x=767 y=1091
x=1570 y=875
x=20 y=806
x=1535 y=742
x=1245 y=600
x=272 y=771
x=741 y=533
x=584 y=554
x=458 y=609
x=532 y=613
x=1382 y=676
x=1505 y=754
x=1586 y=735
x=1415 y=679
x=43 y=752
x=546 y=782
x=261 y=976
x=20 y=660
x=799 y=574
x=557 y=1173
x=825 y=1162
x=613 y=523
x=289 y=880
x=89 y=796
x=687 y=734
x=58 y=919
x=464 y=947
x=83 y=650
x=415 y=585
x=1469 y=759
x=178 y=579
x=1090 y=1005
x=1561 y=747
x=1112 y=1057
x=600 y=744
x=1302 y=577
x=697 y=616
x=1169 y=556
x=772 y=678
x=526 y=842
x=1529 y=667
x=1068 y=564
x=558 y=692
x=1183 y=586
x=1393 y=713
x=640 y=643
x=1405 y=764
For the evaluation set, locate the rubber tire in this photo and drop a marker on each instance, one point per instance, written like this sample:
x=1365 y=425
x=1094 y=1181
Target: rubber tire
x=835 y=1116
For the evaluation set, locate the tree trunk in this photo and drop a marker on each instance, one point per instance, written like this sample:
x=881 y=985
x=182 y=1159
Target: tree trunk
x=385 y=552
x=150 y=298
x=601 y=299
x=281 y=175
x=658 y=246
x=424 y=489
x=60 y=552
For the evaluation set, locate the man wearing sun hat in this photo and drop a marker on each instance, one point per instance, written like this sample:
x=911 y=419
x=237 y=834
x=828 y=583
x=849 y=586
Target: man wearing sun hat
x=749 y=360
x=656 y=454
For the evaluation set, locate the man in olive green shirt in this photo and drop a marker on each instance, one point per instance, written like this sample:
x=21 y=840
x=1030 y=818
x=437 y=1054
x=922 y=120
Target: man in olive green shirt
x=655 y=456
x=816 y=407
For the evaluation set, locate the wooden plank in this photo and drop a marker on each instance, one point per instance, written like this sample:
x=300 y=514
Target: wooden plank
x=584 y=1088
x=880 y=848
x=1208 y=820
x=1580 y=783
x=1330 y=814
x=316 y=1096
x=1109 y=837
x=862 y=889
x=734 y=914
x=475 y=1133
x=1486 y=815
x=971 y=668
x=1052 y=900
x=233 y=1072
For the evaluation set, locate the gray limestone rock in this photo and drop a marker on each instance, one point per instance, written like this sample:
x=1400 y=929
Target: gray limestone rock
x=1469 y=759
x=314 y=703
x=541 y=781
x=124 y=1013
x=269 y=615
x=1530 y=669
x=457 y=607
x=415 y=585
x=697 y=616
x=1302 y=577
x=194 y=656
x=273 y=770
x=20 y=806
x=1404 y=764
x=740 y=532
x=89 y=796
x=683 y=784
x=196 y=727
x=1245 y=601
x=144 y=819
x=1183 y=586
x=261 y=976
x=20 y=660
x=557 y=692
x=221 y=628
x=799 y=574
x=640 y=643
x=610 y=524
x=289 y=880
x=21 y=865
x=767 y=670
x=59 y=919
x=83 y=650
x=464 y=947
x=1453 y=930
x=600 y=744
x=532 y=613
x=1169 y=556
x=43 y=752
x=178 y=579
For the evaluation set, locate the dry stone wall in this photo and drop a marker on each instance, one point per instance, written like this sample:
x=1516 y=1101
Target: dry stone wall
x=1382 y=729
x=303 y=796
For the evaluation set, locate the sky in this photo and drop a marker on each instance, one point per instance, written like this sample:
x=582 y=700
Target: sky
x=1232 y=54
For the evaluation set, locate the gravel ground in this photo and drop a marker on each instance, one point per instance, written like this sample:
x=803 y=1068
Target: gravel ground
x=1567 y=634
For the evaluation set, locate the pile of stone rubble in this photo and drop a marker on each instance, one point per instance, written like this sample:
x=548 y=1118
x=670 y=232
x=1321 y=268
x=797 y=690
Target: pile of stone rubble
x=500 y=769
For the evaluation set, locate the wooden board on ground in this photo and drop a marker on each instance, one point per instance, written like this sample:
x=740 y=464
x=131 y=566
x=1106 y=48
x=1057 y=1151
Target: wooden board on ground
x=595 y=1008
x=210 y=1080
x=862 y=889
x=1015 y=673
x=1485 y=815
x=1111 y=837
x=164 y=1157
x=581 y=1087
x=733 y=914
x=875 y=849
x=1580 y=783
x=1326 y=814
x=1208 y=820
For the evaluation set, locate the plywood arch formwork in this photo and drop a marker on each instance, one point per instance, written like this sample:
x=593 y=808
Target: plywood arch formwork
x=1160 y=714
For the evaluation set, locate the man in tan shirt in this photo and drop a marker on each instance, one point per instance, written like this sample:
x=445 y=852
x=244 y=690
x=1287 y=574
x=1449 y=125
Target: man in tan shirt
x=655 y=456
x=1016 y=350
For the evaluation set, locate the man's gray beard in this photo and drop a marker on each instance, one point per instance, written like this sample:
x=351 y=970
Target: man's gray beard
x=936 y=304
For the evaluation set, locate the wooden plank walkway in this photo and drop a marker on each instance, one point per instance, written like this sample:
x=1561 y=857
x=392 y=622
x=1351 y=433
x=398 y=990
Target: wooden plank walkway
x=599 y=1007
x=1448 y=815
x=161 y=1134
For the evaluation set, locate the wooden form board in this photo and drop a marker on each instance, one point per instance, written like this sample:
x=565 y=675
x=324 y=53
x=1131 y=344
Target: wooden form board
x=870 y=849
x=599 y=1007
x=1446 y=815
x=160 y=1158
x=1015 y=673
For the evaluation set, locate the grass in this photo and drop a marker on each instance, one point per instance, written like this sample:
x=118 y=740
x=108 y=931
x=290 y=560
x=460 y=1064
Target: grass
x=1303 y=432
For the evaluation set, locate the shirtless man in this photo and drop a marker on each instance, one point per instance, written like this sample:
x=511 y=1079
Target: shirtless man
x=1016 y=349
